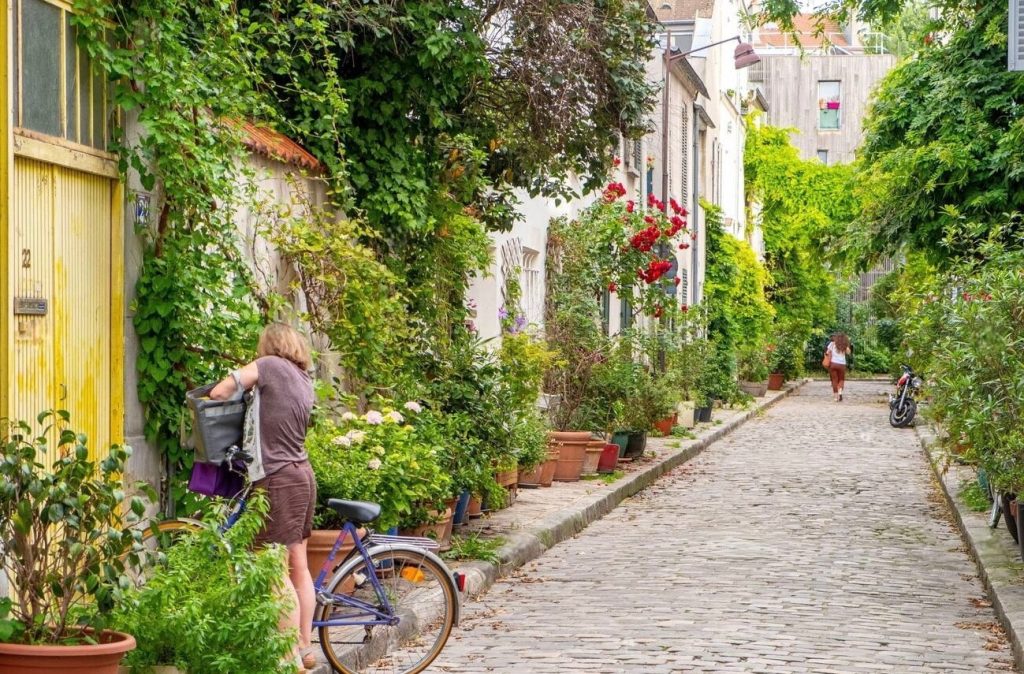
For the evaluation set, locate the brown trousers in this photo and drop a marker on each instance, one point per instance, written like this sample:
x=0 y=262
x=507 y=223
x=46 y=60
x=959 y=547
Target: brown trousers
x=837 y=373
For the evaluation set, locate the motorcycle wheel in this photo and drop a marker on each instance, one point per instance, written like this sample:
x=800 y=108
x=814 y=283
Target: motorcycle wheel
x=902 y=415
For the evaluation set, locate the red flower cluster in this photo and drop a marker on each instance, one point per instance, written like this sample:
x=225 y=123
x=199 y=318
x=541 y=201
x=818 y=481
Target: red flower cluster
x=613 y=191
x=655 y=270
x=676 y=208
x=612 y=287
x=653 y=202
x=630 y=206
x=616 y=162
x=645 y=239
x=684 y=246
x=677 y=224
x=684 y=308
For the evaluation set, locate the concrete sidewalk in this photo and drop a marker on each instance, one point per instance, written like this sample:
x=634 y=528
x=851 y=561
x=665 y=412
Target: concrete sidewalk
x=997 y=557
x=541 y=518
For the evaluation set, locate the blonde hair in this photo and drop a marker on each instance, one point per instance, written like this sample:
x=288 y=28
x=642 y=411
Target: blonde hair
x=279 y=339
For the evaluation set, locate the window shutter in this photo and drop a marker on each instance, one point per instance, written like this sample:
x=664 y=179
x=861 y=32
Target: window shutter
x=684 y=285
x=684 y=164
x=1015 y=57
x=638 y=155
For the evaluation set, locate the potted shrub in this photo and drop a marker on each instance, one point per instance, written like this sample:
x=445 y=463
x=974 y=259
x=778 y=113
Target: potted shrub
x=383 y=456
x=211 y=588
x=785 y=358
x=76 y=509
x=752 y=365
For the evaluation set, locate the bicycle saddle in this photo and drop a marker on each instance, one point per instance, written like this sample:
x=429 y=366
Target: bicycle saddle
x=357 y=512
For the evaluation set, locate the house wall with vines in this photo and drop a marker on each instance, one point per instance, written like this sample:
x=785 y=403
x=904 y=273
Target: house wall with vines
x=273 y=188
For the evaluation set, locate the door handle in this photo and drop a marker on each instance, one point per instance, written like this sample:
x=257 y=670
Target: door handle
x=63 y=392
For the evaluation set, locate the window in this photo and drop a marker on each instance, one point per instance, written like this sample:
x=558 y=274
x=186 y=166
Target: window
x=823 y=156
x=532 y=287
x=684 y=285
x=828 y=104
x=638 y=155
x=57 y=91
x=625 y=313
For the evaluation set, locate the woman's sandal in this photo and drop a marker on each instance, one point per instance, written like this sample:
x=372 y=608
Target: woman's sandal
x=308 y=657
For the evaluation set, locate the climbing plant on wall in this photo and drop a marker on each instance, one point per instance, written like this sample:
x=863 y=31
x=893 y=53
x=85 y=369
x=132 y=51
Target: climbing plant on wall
x=414 y=108
x=197 y=308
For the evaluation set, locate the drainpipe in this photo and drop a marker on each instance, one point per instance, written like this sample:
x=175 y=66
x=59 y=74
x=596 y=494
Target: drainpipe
x=695 y=266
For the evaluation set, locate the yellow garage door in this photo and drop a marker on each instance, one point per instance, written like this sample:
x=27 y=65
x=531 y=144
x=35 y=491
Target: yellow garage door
x=65 y=298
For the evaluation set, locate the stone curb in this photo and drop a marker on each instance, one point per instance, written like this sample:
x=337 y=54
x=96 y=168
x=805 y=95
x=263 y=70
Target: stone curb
x=524 y=547
x=997 y=559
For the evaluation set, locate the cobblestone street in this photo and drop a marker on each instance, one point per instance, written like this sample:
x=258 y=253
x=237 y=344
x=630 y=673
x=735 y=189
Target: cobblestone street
x=810 y=540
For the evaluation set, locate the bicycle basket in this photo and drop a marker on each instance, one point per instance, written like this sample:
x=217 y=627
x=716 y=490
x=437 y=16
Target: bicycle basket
x=216 y=424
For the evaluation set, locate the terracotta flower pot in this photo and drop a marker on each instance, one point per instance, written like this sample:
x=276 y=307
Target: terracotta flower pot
x=572 y=449
x=438 y=530
x=547 y=469
x=101 y=658
x=593 y=456
x=319 y=546
x=775 y=381
x=507 y=478
x=475 y=508
x=530 y=479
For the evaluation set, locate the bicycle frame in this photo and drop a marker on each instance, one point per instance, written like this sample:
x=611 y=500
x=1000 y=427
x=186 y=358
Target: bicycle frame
x=365 y=614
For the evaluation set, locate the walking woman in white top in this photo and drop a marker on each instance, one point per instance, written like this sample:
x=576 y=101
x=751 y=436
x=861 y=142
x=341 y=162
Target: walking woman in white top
x=836 y=354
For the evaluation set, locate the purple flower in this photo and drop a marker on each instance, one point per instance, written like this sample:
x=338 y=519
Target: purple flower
x=503 y=313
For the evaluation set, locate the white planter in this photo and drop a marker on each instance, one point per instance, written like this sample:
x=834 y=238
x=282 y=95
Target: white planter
x=685 y=411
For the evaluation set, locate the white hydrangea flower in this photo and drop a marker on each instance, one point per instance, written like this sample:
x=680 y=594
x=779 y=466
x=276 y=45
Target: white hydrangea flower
x=374 y=417
x=395 y=417
x=413 y=406
x=373 y=464
x=355 y=437
x=342 y=441
x=349 y=416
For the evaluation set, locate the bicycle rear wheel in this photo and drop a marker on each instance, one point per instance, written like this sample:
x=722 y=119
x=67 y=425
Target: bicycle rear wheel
x=153 y=543
x=422 y=596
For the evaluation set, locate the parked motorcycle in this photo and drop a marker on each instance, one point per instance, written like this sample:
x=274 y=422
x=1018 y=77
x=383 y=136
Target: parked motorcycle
x=903 y=405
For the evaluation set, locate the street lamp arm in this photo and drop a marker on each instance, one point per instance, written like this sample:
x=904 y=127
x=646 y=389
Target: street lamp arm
x=707 y=46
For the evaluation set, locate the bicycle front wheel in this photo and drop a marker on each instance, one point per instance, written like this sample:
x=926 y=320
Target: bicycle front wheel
x=414 y=589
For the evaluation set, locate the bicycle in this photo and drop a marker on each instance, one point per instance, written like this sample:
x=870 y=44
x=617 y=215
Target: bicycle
x=369 y=605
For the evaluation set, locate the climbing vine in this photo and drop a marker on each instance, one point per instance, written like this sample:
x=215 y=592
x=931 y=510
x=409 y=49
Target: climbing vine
x=197 y=308
x=414 y=110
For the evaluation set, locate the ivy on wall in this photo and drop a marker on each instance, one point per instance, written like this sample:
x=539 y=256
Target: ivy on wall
x=414 y=108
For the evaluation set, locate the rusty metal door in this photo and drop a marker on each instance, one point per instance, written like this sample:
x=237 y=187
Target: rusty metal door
x=64 y=355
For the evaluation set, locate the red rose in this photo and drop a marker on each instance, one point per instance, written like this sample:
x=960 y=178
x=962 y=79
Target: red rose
x=684 y=246
x=678 y=280
x=630 y=206
x=684 y=308
x=676 y=208
x=616 y=162
x=612 y=287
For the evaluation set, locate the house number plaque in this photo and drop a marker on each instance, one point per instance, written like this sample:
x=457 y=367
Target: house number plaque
x=29 y=306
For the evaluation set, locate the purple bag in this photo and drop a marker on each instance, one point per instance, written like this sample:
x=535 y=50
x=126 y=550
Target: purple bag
x=211 y=479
